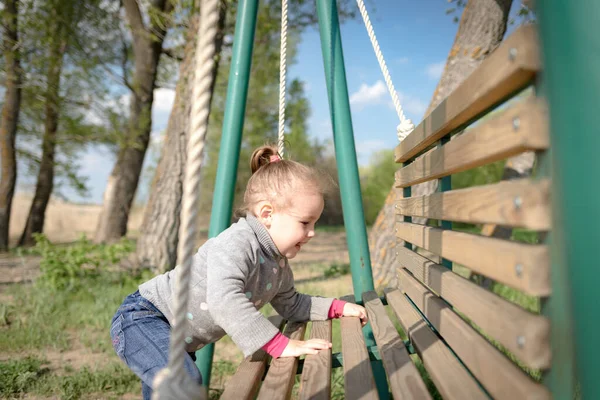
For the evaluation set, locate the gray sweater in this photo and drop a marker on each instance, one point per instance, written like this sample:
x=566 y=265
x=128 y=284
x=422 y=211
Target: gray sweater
x=233 y=276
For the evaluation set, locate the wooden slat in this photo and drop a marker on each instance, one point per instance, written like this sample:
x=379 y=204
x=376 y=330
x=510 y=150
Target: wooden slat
x=246 y=380
x=451 y=379
x=523 y=333
x=510 y=67
x=359 y=382
x=521 y=203
x=316 y=374
x=522 y=266
x=501 y=378
x=498 y=138
x=403 y=376
x=279 y=381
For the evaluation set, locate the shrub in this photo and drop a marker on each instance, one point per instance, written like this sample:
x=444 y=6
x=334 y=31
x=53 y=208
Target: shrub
x=64 y=267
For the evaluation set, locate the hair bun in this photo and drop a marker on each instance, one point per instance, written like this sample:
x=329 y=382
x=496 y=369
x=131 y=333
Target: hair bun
x=262 y=156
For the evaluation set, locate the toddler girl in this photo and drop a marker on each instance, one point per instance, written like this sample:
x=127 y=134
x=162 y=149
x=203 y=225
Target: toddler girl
x=234 y=275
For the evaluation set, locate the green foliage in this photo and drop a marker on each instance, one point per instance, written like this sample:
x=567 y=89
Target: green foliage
x=378 y=177
x=484 y=175
x=426 y=378
x=330 y=228
x=81 y=41
x=336 y=270
x=220 y=371
x=299 y=147
x=28 y=375
x=67 y=267
x=20 y=376
x=525 y=236
x=376 y=182
x=76 y=294
x=115 y=378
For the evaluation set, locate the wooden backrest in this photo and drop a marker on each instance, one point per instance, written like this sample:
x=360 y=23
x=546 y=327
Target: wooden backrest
x=460 y=329
x=474 y=342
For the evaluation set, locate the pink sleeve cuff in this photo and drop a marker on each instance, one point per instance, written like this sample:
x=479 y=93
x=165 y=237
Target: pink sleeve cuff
x=337 y=309
x=275 y=346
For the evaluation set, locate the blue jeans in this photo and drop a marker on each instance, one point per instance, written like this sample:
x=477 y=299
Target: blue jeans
x=140 y=335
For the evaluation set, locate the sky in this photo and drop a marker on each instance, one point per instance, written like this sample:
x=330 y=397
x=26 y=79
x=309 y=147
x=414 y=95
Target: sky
x=415 y=38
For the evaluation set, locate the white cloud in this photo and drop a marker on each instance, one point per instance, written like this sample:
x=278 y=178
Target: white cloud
x=368 y=95
x=377 y=94
x=411 y=105
x=161 y=108
x=163 y=100
x=402 y=60
x=434 y=71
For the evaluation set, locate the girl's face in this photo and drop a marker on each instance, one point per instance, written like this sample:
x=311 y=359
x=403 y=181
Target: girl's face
x=294 y=226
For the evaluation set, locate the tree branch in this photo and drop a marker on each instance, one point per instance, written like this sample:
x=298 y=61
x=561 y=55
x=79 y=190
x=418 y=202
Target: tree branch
x=124 y=59
x=171 y=54
x=134 y=16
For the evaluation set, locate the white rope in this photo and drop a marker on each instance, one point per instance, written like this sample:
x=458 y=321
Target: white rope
x=174 y=382
x=282 y=71
x=406 y=126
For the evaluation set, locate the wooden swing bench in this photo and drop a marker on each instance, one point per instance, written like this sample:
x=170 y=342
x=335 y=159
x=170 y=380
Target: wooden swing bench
x=448 y=319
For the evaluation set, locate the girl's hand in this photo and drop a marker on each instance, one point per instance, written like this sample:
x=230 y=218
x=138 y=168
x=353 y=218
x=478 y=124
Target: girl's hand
x=354 y=310
x=296 y=348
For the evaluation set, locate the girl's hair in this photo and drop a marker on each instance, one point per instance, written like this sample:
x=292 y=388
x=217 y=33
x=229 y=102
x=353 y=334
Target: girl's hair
x=276 y=180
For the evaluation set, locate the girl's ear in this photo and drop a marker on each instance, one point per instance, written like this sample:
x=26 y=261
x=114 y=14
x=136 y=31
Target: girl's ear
x=265 y=213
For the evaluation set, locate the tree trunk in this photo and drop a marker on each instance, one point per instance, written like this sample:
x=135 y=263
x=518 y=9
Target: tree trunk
x=481 y=29
x=10 y=117
x=124 y=178
x=45 y=180
x=157 y=245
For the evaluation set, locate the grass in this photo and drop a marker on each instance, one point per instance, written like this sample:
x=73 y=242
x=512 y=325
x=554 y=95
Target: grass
x=31 y=375
x=68 y=311
x=39 y=317
x=330 y=228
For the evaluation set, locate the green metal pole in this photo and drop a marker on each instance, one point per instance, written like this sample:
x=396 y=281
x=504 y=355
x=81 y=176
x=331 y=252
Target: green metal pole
x=570 y=38
x=345 y=152
x=560 y=378
x=354 y=219
x=229 y=153
x=445 y=184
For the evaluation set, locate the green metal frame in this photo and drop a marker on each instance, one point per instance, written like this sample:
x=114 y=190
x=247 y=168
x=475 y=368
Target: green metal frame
x=360 y=261
x=445 y=184
x=345 y=151
x=570 y=83
x=239 y=77
x=570 y=44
